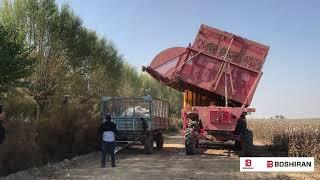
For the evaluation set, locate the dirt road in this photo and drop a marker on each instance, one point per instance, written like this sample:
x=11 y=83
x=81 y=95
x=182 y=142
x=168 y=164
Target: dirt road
x=219 y=162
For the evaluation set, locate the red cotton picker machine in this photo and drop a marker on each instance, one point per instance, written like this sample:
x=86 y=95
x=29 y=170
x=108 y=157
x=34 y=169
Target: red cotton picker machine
x=218 y=74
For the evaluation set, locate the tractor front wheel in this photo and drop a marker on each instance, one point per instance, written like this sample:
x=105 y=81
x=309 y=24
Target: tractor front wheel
x=190 y=142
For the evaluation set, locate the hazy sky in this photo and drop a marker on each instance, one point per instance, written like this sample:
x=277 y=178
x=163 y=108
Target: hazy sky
x=290 y=84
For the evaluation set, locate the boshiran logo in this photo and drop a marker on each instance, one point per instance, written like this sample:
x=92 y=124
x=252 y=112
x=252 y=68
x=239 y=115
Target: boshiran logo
x=247 y=164
x=277 y=164
x=271 y=164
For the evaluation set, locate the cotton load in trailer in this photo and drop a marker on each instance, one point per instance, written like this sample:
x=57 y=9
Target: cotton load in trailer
x=138 y=119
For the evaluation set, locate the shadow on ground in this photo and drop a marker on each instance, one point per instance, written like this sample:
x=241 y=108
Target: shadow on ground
x=215 y=161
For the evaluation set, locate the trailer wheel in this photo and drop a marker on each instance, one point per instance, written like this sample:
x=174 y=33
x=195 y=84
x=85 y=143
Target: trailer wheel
x=159 y=140
x=148 y=144
x=247 y=142
x=190 y=142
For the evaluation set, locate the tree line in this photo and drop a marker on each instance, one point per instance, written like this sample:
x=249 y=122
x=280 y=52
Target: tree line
x=47 y=54
x=53 y=72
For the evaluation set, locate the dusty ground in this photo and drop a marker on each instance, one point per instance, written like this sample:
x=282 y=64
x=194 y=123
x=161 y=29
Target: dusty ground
x=218 y=162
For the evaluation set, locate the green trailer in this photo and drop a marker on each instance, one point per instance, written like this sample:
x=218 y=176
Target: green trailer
x=138 y=119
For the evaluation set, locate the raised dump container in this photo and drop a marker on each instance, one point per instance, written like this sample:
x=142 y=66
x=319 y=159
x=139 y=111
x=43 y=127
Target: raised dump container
x=138 y=119
x=219 y=65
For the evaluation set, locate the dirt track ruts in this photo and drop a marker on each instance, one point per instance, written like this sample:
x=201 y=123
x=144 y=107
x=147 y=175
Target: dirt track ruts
x=217 y=162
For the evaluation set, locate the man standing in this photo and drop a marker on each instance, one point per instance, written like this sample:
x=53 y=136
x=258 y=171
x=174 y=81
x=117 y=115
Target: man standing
x=2 y=130
x=108 y=130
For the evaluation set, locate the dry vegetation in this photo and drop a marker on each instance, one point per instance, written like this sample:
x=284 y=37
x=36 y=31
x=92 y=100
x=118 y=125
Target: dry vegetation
x=67 y=131
x=53 y=73
x=291 y=137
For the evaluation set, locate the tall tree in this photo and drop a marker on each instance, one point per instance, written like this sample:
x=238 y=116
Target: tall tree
x=72 y=60
x=67 y=53
x=15 y=62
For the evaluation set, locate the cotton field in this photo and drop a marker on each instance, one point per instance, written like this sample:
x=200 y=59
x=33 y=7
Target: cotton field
x=291 y=137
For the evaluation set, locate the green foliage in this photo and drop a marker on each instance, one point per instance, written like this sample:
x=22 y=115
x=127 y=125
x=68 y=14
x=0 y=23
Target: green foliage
x=67 y=53
x=175 y=125
x=74 y=61
x=15 y=63
x=65 y=68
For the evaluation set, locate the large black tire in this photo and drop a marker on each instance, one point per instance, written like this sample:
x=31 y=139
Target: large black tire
x=190 y=142
x=148 y=144
x=237 y=145
x=247 y=142
x=159 y=140
x=240 y=129
x=241 y=126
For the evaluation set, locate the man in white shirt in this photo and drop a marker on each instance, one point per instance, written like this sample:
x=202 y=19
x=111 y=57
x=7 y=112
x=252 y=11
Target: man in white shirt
x=108 y=131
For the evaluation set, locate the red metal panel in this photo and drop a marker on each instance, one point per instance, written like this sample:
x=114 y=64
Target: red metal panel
x=200 y=71
x=243 y=52
x=217 y=118
x=203 y=70
x=165 y=56
x=243 y=81
x=166 y=61
x=218 y=62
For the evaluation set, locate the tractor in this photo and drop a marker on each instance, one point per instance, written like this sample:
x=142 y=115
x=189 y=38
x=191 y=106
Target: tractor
x=218 y=74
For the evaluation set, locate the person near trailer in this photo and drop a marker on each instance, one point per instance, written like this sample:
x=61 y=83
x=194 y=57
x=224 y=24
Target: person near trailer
x=108 y=130
x=144 y=124
x=2 y=129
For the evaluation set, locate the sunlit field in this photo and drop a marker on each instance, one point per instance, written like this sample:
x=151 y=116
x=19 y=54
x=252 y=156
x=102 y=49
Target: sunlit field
x=291 y=137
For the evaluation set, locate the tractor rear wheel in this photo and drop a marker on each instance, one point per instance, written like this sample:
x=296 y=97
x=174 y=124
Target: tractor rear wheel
x=148 y=144
x=159 y=140
x=190 y=142
x=247 y=142
x=241 y=126
x=237 y=145
x=240 y=129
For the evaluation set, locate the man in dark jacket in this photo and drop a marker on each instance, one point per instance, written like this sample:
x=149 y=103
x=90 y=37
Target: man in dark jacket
x=2 y=130
x=108 y=131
